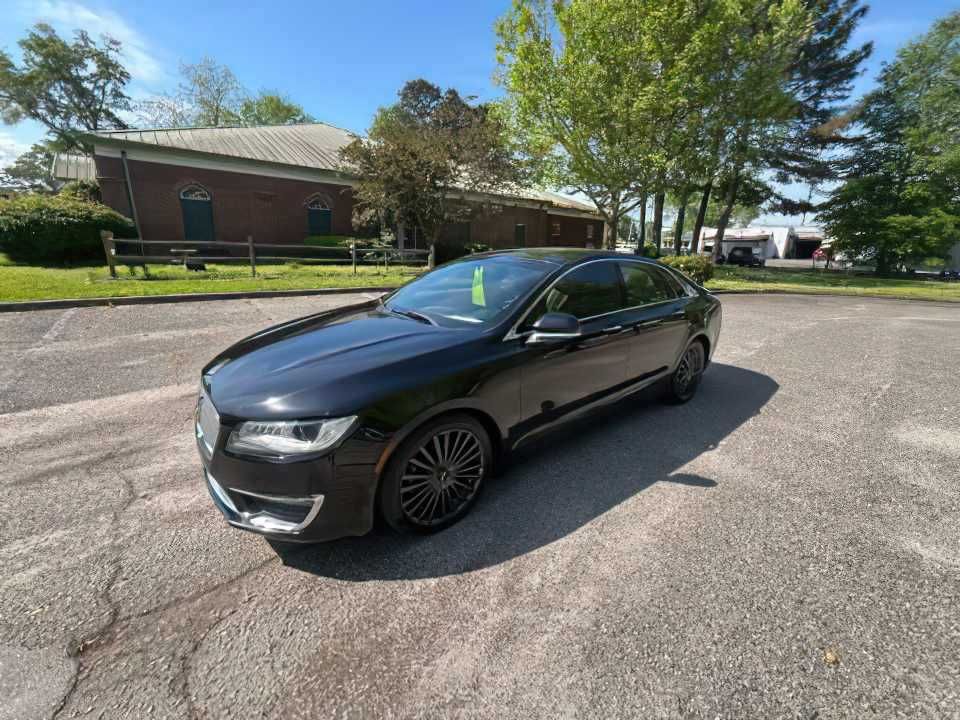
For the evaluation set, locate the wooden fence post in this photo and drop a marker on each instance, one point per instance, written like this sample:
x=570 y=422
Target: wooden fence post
x=432 y=257
x=353 y=255
x=253 y=256
x=109 y=249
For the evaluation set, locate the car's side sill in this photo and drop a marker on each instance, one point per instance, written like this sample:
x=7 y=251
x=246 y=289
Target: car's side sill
x=609 y=397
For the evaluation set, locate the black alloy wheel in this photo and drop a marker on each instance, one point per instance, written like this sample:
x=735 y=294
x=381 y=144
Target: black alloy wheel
x=686 y=378
x=436 y=475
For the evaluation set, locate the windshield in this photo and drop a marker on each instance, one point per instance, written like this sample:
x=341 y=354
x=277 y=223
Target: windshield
x=470 y=292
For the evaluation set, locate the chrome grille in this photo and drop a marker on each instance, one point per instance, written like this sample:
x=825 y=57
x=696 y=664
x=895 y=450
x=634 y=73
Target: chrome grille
x=208 y=423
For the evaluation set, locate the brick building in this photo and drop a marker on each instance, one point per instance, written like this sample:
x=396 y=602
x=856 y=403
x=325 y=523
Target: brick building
x=282 y=183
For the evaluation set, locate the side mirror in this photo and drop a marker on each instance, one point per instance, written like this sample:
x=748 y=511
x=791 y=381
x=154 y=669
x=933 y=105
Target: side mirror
x=554 y=327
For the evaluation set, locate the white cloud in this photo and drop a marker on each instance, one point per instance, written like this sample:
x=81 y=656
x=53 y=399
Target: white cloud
x=68 y=15
x=10 y=148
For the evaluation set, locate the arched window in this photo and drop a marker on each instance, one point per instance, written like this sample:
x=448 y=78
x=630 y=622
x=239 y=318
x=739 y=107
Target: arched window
x=319 y=215
x=197 y=208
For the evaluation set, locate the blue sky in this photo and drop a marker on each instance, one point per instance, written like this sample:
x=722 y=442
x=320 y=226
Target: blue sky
x=339 y=60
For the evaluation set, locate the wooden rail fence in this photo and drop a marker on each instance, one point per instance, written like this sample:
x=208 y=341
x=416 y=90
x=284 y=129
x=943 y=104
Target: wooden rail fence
x=185 y=253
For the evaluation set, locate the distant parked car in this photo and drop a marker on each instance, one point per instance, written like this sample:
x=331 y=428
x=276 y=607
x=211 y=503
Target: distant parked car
x=743 y=256
x=950 y=275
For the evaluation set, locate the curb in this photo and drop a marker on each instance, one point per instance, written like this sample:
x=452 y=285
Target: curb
x=28 y=305
x=947 y=303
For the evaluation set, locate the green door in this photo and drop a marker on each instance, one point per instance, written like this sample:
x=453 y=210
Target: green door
x=520 y=236
x=197 y=220
x=318 y=221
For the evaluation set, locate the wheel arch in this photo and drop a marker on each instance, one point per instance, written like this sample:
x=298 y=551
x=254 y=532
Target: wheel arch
x=482 y=416
x=705 y=341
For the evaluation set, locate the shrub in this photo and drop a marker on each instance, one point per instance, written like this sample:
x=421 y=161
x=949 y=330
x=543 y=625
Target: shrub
x=650 y=250
x=696 y=267
x=57 y=229
x=82 y=190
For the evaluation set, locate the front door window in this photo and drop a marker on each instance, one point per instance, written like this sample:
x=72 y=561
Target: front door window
x=590 y=290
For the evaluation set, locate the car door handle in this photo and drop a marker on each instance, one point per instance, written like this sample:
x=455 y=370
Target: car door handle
x=678 y=315
x=612 y=330
x=650 y=323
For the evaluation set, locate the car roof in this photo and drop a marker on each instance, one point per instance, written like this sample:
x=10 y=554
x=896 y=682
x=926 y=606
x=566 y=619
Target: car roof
x=559 y=256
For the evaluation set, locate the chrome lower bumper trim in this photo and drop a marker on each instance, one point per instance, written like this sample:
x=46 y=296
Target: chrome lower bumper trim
x=263 y=521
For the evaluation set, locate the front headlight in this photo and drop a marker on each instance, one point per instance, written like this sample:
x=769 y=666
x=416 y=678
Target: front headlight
x=282 y=439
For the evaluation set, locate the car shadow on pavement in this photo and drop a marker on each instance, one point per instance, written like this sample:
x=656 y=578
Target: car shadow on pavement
x=557 y=485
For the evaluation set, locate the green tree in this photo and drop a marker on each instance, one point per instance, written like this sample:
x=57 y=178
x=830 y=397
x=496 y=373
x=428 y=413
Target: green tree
x=574 y=98
x=801 y=146
x=212 y=91
x=900 y=198
x=270 y=108
x=751 y=86
x=164 y=111
x=426 y=154
x=68 y=87
x=34 y=167
x=633 y=98
x=209 y=95
x=820 y=79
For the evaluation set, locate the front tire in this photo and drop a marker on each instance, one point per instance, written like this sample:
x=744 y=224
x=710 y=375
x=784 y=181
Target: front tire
x=435 y=476
x=683 y=384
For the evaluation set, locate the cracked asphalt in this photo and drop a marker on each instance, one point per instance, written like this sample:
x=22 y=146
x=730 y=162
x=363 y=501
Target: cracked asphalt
x=787 y=545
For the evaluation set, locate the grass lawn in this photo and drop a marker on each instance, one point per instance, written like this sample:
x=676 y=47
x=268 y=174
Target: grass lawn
x=23 y=282
x=835 y=283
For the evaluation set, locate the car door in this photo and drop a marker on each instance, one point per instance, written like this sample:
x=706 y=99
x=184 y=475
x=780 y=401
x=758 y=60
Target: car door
x=657 y=314
x=559 y=379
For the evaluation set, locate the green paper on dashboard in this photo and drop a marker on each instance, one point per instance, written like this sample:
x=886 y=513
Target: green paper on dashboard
x=478 y=297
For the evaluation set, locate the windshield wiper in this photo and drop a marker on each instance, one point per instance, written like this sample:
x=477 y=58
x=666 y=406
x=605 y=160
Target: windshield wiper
x=412 y=314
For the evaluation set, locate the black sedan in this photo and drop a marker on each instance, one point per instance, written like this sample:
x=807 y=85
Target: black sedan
x=402 y=406
x=742 y=256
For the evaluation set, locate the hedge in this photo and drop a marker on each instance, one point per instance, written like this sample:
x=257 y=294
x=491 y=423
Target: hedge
x=698 y=268
x=57 y=229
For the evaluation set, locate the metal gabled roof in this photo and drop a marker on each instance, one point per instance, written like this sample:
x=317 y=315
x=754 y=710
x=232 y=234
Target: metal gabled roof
x=73 y=166
x=309 y=145
x=314 y=146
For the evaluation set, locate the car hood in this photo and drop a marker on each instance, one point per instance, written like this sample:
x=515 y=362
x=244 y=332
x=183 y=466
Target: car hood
x=326 y=365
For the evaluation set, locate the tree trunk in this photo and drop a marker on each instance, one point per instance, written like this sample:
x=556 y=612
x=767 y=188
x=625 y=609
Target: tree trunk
x=614 y=225
x=883 y=264
x=642 y=235
x=678 y=225
x=611 y=231
x=729 y=202
x=658 y=219
x=701 y=218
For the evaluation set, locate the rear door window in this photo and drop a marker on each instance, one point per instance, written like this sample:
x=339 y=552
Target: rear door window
x=645 y=285
x=671 y=282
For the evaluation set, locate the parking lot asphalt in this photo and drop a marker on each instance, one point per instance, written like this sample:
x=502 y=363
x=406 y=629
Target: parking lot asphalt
x=785 y=545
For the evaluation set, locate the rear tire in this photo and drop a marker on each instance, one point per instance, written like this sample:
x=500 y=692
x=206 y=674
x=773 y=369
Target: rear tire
x=683 y=384
x=435 y=476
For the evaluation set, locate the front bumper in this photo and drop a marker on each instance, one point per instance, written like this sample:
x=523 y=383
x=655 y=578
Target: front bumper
x=317 y=499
